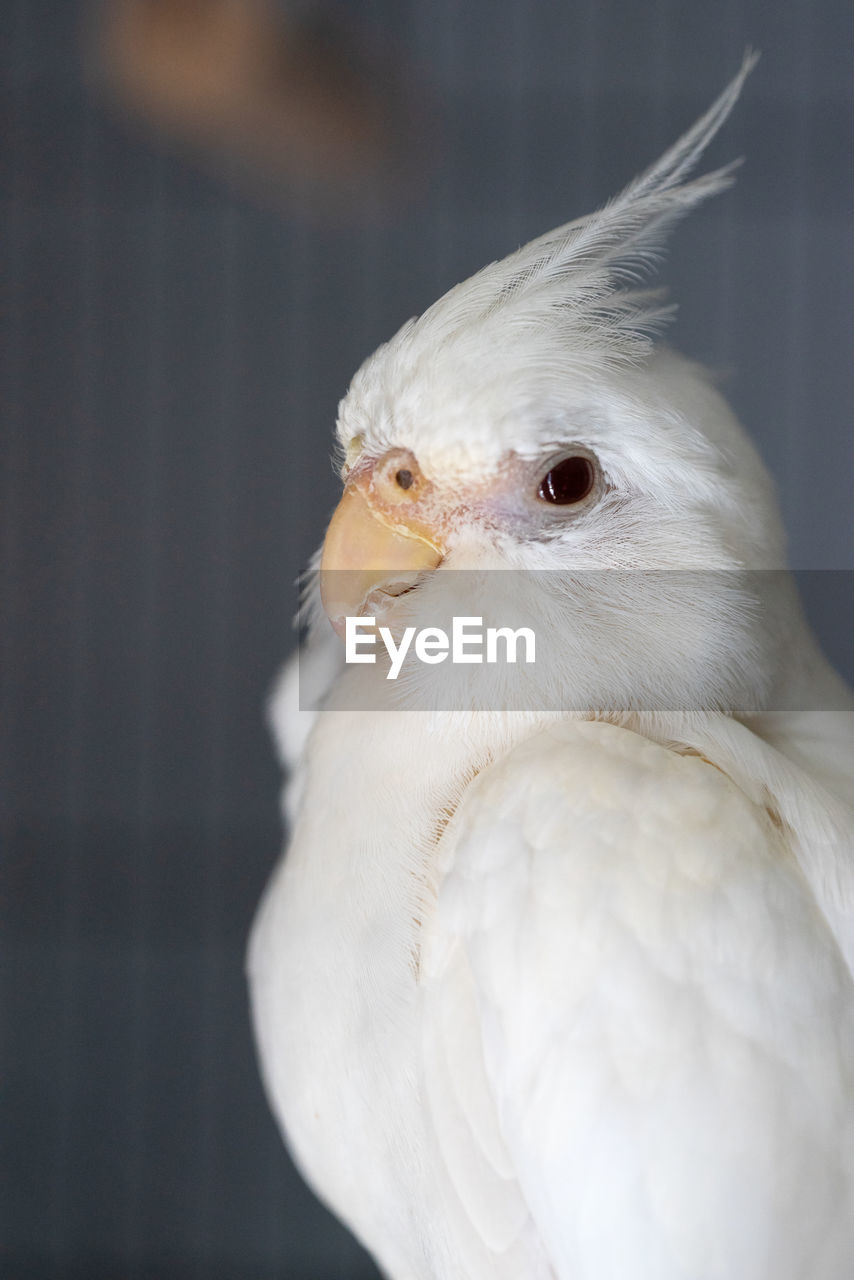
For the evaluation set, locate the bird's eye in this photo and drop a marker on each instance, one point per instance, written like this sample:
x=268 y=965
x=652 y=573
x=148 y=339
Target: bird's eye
x=569 y=481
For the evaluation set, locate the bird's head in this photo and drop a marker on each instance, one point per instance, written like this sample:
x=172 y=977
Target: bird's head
x=529 y=421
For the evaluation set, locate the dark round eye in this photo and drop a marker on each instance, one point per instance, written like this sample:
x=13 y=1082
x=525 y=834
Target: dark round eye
x=569 y=481
x=404 y=478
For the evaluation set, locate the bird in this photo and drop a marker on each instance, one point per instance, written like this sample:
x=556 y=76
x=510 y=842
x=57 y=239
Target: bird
x=561 y=987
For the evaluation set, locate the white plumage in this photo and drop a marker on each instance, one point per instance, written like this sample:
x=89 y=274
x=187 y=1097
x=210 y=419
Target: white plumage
x=559 y=995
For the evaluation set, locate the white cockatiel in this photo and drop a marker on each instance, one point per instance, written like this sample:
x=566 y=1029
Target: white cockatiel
x=550 y=994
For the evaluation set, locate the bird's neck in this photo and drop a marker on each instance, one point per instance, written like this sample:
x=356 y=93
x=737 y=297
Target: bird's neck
x=398 y=779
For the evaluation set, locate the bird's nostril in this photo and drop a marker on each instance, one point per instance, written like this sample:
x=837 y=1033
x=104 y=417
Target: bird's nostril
x=404 y=478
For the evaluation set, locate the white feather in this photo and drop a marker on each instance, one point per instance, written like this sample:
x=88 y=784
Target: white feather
x=565 y=996
x=666 y=1034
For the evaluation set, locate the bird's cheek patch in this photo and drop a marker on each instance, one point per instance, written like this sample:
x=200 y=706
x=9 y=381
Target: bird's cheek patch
x=353 y=452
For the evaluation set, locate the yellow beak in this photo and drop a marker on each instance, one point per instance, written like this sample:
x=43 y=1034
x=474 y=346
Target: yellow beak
x=364 y=554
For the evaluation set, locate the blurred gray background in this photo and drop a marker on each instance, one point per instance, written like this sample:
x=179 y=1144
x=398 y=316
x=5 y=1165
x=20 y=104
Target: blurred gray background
x=178 y=324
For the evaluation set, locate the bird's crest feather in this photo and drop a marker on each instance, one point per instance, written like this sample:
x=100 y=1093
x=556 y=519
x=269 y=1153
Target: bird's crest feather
x=584 y=270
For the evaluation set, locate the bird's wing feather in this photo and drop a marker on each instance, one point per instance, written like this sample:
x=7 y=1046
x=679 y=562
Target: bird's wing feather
x=798 y=765
x=635 y=1024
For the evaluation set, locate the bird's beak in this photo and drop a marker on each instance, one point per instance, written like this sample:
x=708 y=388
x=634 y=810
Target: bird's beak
x=374 y=549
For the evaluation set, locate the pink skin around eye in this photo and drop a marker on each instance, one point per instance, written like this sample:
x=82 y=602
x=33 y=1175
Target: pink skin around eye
x=505 y=500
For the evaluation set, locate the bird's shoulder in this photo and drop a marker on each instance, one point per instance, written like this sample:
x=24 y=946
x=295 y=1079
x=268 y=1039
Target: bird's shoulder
x=592 y=797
